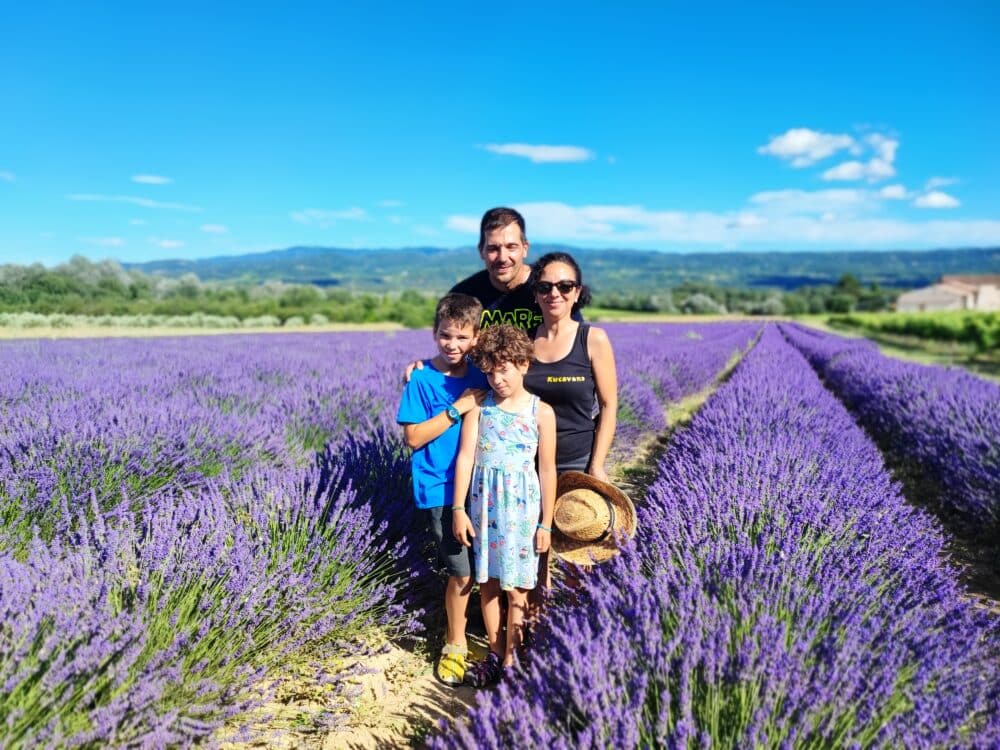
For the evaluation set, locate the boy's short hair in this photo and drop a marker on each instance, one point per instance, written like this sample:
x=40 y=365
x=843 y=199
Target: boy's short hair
x=463 y=309
x=499 y=344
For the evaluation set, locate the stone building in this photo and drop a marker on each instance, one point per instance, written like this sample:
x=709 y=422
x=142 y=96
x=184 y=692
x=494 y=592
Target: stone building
x=972 y=292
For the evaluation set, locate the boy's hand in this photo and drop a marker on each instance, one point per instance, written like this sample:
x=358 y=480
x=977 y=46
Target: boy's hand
x=543 y=540
x=417 y=364
x=470 y=397
x=461 y=527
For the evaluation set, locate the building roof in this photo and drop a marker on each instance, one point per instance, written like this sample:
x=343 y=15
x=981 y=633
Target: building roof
x=975 y=280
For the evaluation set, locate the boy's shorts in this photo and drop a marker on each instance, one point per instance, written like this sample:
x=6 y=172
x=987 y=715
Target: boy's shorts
x=456 y=558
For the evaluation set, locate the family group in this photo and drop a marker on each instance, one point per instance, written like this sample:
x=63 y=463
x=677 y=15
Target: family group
x=510 y=425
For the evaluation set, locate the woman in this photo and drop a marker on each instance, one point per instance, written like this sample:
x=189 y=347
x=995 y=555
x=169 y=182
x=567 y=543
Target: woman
x=573 y=369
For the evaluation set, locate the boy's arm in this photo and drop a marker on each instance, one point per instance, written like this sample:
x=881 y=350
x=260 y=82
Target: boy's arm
x=419 y=434
x=546 y=474
x=461 y=526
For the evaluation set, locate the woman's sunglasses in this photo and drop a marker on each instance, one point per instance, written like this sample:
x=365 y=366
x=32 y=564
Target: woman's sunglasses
x=565 y=287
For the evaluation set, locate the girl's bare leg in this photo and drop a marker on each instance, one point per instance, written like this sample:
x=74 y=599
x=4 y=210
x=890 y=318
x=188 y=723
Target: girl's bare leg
x=489 y=596
x=517 y=601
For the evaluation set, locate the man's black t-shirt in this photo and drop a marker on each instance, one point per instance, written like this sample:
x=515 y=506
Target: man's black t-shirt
x=517 y=307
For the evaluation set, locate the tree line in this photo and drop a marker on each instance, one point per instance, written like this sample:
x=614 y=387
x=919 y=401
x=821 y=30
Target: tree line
x=105 y=288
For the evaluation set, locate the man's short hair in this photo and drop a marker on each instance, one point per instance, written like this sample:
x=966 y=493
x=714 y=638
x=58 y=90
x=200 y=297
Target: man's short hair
x=498 y=218
x=463 y=309
x=499 y=344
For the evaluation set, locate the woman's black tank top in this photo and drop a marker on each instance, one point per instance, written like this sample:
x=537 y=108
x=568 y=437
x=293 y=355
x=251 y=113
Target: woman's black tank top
x=568 y=387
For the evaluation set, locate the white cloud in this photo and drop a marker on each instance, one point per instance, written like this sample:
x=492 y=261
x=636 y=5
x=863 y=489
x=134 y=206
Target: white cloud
x=849 y=170
x=135 y=201
x=802 y=146
x=151 y=179
x=324 y=218
x=785 y=202
x=7 y=176
x=103 y=241
x=137 y=222
x=47 y=235
x=936 y=199
x=879 y=167
x=463 y=224
x=214 y=228
x=541 y=153
x=884 y=146
x=166 y=244
x=425 y=231
x=390 y=203
x=395 y=220
x=893 y=192
x=789 y=218
x=937 y=182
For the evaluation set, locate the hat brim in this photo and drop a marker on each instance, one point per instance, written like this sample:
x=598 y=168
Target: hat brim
x=590 y=553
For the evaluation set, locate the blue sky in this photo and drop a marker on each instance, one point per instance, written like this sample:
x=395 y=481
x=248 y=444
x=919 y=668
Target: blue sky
x=192 y=129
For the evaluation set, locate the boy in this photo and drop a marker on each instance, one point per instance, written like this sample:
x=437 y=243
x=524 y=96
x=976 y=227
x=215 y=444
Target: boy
x=430 y=411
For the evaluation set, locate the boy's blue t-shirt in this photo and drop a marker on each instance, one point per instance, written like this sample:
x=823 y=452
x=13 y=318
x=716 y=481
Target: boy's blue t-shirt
x=430 y=392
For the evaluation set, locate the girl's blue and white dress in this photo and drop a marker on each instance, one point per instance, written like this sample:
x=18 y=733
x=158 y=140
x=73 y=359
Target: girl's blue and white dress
x=505 y=496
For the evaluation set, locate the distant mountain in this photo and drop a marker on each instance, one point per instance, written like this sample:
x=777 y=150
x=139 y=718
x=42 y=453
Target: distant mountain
x=437 y=269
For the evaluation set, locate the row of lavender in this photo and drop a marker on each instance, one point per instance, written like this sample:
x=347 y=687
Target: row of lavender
x=178 y=516
x=943 y=424
x=780 y=593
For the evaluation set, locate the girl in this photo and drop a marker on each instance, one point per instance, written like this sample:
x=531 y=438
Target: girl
x=508 y=521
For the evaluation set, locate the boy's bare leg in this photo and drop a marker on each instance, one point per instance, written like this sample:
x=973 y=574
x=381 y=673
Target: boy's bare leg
x=517 y=605
x=489 y=595
x=456 y=603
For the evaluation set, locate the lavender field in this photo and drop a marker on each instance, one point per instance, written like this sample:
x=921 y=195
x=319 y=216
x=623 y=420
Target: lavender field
x=180 y=517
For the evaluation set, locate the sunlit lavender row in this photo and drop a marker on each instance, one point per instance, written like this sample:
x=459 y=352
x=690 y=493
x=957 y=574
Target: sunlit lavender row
x=178 y=516
x=780 y=593
x=943 y=424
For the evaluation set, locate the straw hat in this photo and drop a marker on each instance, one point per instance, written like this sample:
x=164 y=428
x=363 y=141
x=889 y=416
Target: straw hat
x=589 y=515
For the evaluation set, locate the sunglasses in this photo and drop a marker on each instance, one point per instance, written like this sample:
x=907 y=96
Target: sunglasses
x=565 y=287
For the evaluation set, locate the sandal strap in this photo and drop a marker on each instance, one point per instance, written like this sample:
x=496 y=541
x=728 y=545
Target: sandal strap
x=451 y=648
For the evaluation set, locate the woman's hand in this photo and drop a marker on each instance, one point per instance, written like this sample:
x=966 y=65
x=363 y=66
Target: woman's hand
x=598 y=472
x=543 y=540
x=461 y=527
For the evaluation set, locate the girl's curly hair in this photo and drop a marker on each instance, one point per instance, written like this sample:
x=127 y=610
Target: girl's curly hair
x=499 y=344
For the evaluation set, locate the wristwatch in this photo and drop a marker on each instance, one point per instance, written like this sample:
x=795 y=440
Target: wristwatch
x=453 y=414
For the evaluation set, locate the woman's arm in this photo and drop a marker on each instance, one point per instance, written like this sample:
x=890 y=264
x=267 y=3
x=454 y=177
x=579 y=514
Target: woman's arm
x=546 y=474
x=461 y=525
x=602 y=362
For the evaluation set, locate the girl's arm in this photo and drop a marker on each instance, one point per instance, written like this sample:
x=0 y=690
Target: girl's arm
x=546 y=474
x=602 y=361
x=461 y=525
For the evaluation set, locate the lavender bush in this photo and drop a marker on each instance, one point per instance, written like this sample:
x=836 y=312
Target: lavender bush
x=780 y=594
x=942 y=424
x=659 y=364
x=180 y=516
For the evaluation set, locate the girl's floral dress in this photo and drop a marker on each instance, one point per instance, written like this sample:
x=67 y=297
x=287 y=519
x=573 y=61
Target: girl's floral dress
x=506 y=498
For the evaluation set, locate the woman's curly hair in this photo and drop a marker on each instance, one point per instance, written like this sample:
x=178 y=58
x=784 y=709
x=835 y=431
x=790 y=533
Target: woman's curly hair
x=499 y=344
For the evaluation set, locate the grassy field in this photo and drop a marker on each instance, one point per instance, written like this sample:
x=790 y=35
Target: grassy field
x=926 y=350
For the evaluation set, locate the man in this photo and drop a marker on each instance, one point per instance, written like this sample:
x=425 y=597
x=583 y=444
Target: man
x=502 y=286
